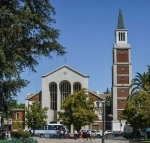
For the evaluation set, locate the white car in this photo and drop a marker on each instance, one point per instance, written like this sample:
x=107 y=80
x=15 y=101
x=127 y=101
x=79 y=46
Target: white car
x=108 y=132
x=98 y=134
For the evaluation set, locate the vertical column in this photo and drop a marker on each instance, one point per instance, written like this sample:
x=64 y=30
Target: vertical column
x=72 y=129
x=129 y=55
x=114 y=75
x=114 y=103
x=115 y=58
x=71 y=88
x=58 y=97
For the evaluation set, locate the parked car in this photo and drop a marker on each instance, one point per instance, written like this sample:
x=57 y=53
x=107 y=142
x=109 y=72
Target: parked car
x=117 y=133
x=108 y=132
x=98 y=134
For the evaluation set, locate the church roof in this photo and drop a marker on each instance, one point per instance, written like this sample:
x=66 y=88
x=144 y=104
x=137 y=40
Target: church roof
x=68 y=67
x=120 y=20
x=29 y=96
x=96 y=95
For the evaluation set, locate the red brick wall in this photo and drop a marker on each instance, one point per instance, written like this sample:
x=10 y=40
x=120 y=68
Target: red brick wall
x=93 y=97
x=20 y=119
x=21 y=115
x=122 y=92
x=36 y=97
x=100 y=125
x=122 y=55
x=122 y=69
x=122 y=79
x=121 y=103
x=118 y=113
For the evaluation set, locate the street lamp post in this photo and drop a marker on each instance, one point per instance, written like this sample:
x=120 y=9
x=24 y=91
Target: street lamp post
x=103 y=105
x=103 y=138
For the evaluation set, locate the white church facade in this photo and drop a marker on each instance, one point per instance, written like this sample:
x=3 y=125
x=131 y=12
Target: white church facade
x=57 y=85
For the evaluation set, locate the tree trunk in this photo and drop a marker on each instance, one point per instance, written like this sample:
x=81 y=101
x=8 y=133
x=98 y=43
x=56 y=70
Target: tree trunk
x=78 y=128
x=135 y=133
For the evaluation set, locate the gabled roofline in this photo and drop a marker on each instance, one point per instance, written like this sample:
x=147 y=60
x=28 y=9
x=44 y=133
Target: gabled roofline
x=32 y=95
x=96 y=95
x=18 y=109
x=83 y=75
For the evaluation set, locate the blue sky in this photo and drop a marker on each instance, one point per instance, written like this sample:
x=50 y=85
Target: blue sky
x=87 y=31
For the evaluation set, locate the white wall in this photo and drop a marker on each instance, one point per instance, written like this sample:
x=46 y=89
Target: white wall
x=58 y=76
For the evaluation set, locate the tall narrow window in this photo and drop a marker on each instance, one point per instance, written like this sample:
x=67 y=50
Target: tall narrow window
x=17 y=116
x=76 y=86
x=119 y=36
x=121 y=39
x=123 y=36
x=65 y=90
x=53 y=96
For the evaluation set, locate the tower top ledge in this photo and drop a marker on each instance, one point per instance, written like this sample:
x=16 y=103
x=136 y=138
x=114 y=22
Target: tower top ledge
x=121 y=45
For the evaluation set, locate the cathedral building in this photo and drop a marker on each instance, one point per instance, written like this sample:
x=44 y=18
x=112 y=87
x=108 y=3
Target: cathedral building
x=58 y=84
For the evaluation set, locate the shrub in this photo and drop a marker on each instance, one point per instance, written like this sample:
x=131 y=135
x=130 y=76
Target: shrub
x=25 y=134
x=20 y=134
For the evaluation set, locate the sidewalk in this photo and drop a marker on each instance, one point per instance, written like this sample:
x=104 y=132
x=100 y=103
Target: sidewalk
x=43 y=140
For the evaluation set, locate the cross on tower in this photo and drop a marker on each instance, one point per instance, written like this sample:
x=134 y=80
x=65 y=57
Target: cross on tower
x=65 y=60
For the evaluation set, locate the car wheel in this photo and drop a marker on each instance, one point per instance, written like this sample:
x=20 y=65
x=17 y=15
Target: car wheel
x=41 y=136
x=98 y=136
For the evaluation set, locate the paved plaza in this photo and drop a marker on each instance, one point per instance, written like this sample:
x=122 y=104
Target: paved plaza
x=43 y=140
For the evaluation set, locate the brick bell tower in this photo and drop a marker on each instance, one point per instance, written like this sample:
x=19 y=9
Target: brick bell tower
x=121 y=72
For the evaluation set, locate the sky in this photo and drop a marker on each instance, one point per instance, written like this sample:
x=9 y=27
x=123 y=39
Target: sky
x=88 y=33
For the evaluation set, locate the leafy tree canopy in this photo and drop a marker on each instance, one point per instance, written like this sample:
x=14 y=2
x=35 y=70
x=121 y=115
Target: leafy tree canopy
x=79 y=110
x=140 y=82
x=35 y=116
x=137 y=110
x=9 y=105
x=26 y=34
x=108 y=105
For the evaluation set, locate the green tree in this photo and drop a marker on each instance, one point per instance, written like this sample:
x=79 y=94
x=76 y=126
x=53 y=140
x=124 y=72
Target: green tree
x=108 y=105
x=11 y=104
x=137 y=111
x=21 y=105
x=17 y=125
x=79 y=110
x=35 y=116
x=107 y=91
x=148 y=77
x=139 y=83
x=26 y=33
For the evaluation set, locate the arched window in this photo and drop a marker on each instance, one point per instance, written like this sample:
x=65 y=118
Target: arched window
x=53 y=96
x=76 y=86
x=65 y=90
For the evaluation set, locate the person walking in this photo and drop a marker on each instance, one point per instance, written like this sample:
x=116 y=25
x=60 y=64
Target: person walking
x=89 y=135
x=75 y=134
x=80 y=135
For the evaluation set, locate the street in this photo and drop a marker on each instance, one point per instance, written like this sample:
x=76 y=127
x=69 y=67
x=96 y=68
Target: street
x=97 y=140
